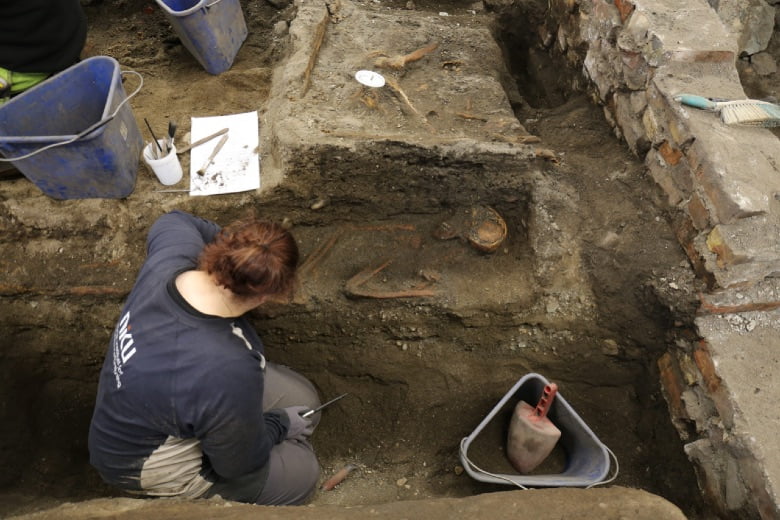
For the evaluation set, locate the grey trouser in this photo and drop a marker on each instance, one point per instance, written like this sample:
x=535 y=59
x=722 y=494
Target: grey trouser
x=291 y=474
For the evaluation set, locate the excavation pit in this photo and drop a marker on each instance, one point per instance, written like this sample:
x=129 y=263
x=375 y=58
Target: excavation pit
x=422 y=329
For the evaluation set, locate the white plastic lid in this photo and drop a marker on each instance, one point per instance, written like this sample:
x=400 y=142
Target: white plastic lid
x=370 y=78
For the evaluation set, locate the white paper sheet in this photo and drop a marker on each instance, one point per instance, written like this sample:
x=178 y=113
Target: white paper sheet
x=236 y=167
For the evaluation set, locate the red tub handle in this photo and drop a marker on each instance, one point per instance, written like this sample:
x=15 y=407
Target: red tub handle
x=548 y=394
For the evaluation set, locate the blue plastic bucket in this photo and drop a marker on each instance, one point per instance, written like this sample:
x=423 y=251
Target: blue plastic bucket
x=587 y=459
x=77 y=132
x=212 y=30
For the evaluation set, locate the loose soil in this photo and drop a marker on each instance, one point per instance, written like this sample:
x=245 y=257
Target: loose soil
x=420 y=375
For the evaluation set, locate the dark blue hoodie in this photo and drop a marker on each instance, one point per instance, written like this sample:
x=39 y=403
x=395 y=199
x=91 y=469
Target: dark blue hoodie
x=179 y=402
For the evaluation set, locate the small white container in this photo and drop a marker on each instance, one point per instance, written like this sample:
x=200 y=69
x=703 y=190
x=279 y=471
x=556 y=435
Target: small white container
x=370 y=78
x=168 y=169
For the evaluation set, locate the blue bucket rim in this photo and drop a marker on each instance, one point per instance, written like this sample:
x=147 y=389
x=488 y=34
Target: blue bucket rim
x=202 y=4
x=49 y=138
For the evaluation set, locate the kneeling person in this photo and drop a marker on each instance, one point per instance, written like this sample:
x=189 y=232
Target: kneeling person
x=187 y=405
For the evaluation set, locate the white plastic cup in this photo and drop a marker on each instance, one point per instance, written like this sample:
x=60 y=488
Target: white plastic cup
x=168 y=169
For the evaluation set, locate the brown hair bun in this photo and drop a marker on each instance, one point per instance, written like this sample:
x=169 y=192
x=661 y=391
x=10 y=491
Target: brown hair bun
x=252 y=257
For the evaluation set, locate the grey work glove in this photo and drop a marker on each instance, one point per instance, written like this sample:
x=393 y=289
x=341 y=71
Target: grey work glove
x=298 y=425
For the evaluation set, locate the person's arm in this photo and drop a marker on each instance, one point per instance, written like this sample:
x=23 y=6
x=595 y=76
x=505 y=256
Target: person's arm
x=237 y=450
x=180 y=234
x=235 y=435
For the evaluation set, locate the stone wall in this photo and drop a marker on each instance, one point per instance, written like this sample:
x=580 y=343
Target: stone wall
x=722 y=184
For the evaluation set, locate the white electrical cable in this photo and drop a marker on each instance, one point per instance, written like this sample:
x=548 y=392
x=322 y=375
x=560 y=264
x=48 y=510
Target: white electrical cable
x=617 y=470
x=88 y=130
x=509 y=480
x=470 y=463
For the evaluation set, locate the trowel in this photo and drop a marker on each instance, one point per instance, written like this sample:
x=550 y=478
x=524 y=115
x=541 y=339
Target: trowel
x=309 y=413
x=532 y=436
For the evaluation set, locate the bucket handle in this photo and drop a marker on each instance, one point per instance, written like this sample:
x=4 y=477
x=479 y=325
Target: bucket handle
x=548 y=394
x=91 y=128
x=212 y=4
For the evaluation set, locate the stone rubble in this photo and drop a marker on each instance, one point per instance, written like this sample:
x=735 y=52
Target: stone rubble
x=723 y=184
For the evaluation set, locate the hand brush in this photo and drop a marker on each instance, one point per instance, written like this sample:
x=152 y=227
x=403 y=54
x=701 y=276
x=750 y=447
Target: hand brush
x=169 y=138
x=749 y=112
x=214 y=153
x=154 y=138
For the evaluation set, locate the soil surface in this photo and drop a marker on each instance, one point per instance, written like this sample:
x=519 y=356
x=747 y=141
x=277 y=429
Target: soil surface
x=640 y=282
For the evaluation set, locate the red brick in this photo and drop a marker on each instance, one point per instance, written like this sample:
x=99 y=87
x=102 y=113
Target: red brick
x=703 y=359
x=713 y=384
x=700 y=215
x=625 y=7
x=670 y=154
x=708 y=307
x=686 y=232
x=673 y=385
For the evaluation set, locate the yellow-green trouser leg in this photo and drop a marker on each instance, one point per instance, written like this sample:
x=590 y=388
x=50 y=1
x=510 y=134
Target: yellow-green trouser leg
x=15 y=82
